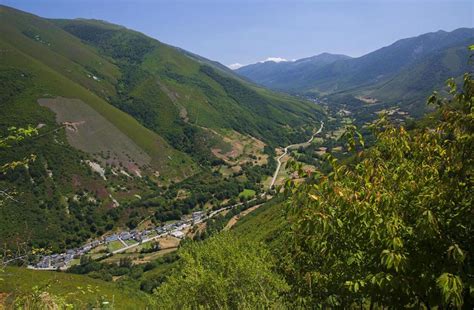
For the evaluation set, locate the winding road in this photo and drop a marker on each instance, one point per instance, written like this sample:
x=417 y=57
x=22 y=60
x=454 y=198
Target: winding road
x=291 y=146
x=213 y=213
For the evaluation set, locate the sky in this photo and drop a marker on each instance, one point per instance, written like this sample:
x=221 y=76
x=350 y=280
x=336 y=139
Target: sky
x=248 y=31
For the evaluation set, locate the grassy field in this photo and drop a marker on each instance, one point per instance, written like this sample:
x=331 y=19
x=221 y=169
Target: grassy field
x=140 y=247
x=79 y=290
x=115 y=245
x=247 y=193
x=130 y=242
x=138 y=258
x=265 y=224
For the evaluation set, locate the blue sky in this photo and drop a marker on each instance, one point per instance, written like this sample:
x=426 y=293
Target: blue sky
x=245 y=31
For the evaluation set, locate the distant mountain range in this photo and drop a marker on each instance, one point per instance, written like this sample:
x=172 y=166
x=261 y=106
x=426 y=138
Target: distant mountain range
x=278 y=75
x=407 y=70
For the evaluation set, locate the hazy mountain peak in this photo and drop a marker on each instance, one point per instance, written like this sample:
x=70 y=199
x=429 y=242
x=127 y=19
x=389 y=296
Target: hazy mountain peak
x=269 y=72
x=328 y=73
x=235 y=66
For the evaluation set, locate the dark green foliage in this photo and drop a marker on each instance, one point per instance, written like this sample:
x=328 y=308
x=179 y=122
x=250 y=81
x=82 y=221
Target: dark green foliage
x=265 y=224
x=105 y=271
x=156 y=272
x=145 y=277
x=62 y=202
x=237 y=91
x=43 y=207
x=263 y=128
x=394 y=227
x=13 y=81
x=122 y=45
x=217 y=223
x=147 y=65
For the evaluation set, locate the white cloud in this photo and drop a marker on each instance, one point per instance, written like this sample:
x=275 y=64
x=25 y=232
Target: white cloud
x=274 y=59
x=235 y=66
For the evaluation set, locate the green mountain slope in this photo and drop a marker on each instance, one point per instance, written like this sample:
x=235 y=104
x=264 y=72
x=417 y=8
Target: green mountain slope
x=426 y=74
x=58 y=200
x=266 y=224
x=118 y=114
x=64 y=66
x=59 y=288
x=179 y=90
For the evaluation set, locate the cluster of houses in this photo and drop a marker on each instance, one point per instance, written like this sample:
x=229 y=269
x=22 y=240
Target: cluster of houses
x=63 y=260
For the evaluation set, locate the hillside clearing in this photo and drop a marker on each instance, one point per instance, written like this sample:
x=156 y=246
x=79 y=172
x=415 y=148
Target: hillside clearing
x=247 y=193
x=90 y=132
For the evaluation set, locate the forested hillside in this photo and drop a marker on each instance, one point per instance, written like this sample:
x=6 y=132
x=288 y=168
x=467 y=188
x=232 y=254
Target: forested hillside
x=138 y=175
x=169 y=91
x=393 y=227
x=282 y=75
x=390 y=228
x=120 y=120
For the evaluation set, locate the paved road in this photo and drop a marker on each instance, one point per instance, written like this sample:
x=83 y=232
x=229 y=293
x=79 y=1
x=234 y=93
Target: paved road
x=292 y=146
x=138 y=243
x=213 y=213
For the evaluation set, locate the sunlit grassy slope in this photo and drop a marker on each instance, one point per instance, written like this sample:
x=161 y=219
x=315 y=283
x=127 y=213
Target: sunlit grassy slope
x=178 y=89
x=265 y=224
x=81 y=291
x=56 y=75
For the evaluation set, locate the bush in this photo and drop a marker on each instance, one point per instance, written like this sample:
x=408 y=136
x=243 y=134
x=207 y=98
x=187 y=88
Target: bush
x=396 y=227
x=222 y=273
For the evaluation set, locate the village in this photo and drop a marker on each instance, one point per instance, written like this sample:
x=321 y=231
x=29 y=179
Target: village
x=128 y=239
x=119 y=242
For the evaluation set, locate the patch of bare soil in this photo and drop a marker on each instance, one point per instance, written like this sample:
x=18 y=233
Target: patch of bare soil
x=174 y=96
x=199 y=228
x=169 y=242
x=244 y=149
x=366 y=99
x=3 y=300
x=89 y=131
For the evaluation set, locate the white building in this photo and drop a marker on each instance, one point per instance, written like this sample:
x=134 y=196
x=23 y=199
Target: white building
x=177 y=234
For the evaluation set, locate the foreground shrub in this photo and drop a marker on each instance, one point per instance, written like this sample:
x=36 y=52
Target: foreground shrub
x=222 y=272
x=396 y=227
